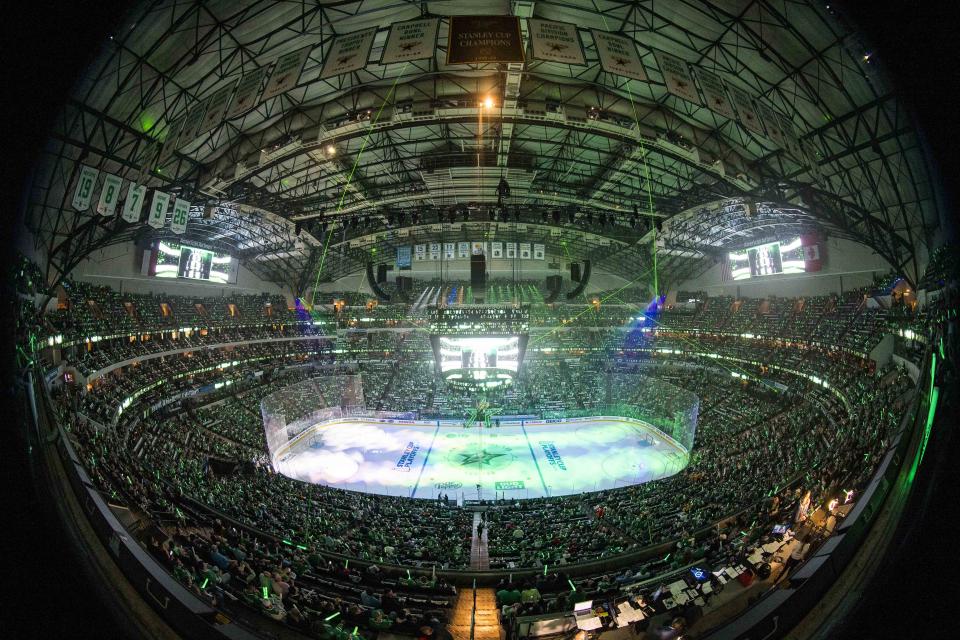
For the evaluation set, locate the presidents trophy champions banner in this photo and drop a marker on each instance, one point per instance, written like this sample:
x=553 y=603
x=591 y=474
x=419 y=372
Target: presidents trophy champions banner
x=411 y=40
x=555 y=42
x=480 y=39
x=348 y=52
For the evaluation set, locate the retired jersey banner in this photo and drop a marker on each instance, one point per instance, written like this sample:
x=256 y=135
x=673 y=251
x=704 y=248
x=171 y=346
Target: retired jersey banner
x=449 y=250
x=539 y=252
x=411 y=40
x=133 y=205
x=216 y=107
x=676 y=75
x=247 y=91
x=496 y=249
x=434 y=250
x=158 y=209
x=555 y=42
x=479 y=39
x=109 y=194
x=83 y=194
x=478 y=248
x=286 y=73
x=618 y=55
x=716 y=96
x=181 y=211
x=463 y=249
x=348 y=52
x=511 y=250
x=420 y=252
x=524 y=250
x=748 y=117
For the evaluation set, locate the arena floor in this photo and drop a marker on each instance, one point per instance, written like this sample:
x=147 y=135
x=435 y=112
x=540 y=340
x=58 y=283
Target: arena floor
x=529 y=460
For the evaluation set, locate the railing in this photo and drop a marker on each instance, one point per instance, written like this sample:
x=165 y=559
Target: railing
x=473 y=611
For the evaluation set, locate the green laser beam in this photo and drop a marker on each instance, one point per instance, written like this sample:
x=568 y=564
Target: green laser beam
x=646 y=176
x=356 y=162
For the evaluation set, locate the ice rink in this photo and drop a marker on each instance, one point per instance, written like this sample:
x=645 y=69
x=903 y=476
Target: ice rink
x=520 y=460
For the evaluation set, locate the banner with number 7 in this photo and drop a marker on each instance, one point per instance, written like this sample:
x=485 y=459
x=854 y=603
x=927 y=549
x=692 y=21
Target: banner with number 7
x=134 y=203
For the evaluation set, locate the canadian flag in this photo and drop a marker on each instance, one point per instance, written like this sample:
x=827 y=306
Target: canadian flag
x=811 y=253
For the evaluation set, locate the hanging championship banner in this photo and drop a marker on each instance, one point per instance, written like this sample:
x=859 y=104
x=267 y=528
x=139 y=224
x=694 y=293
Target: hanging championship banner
x=477 y=248
x=403 y=257
x=348 y=52
x=748 y=117
x=539 y=252
x=524 y=250
x=713 y=91
x=191 y=124
x=618 y=55
x=411 y=40
x=286 y=73
x=84 y=191
x=511 y=250
x=109 y=194
x=134 y=202
x=463 y=249
x=434 y=250
x=158 y=209
x=790 y=136
x=247 y=90
x=772 y=123
x=555 y=42
x=181 y=210
x=449 y=250
x=216 y=107
x=496 y=250
x=676 y=75
x=811 y=157
x=170 y=142
x=420 y=251
x=479 y=39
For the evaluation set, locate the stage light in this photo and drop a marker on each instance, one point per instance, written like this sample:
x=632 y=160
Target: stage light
x=488 y=102
x=331 y=150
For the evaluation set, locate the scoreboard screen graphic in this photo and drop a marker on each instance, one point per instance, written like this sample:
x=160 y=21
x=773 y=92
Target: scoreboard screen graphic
x=788 y=256
x=194 y=263
x=478 y=345
x=172 y=260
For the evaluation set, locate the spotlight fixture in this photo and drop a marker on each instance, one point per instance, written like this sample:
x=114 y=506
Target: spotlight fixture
x=331 y=150
x=488 y=102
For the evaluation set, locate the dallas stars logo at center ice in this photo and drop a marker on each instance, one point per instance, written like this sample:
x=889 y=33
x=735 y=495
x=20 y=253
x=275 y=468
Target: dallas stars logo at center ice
x=482 y=457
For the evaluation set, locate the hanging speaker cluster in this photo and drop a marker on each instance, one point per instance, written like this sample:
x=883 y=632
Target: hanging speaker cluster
x=584 y=281
x=554 y=285
x=378 y=291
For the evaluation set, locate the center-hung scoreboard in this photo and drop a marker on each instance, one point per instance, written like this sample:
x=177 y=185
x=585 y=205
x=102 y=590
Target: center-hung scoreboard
x=479 y=346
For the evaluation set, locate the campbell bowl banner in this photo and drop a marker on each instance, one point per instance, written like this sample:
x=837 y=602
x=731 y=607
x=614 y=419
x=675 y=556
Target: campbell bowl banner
x=479 y=39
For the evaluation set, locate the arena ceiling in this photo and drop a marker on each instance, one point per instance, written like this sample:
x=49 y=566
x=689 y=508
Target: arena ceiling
x=333 y=167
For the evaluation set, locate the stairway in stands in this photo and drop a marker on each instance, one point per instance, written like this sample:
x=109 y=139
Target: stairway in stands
x=486 y=622
x=479 y=557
